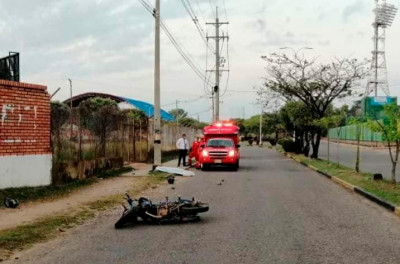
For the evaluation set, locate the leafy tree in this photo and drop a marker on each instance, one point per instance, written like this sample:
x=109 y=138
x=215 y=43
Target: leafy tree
x=298 y=120
x=178 y=113
x=100 y=116
x=135 y=114
x=316 y=85
x=358 y=123
x=389 y=127
x=331 y=122
x=60 y=113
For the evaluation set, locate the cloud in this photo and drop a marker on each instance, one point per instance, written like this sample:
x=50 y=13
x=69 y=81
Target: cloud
x=352 y=9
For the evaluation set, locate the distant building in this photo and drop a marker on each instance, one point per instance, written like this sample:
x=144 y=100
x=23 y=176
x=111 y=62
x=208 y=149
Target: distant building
x=123 y=103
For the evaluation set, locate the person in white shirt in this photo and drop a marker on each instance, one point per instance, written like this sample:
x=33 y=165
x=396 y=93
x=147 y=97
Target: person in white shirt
x=183 y=146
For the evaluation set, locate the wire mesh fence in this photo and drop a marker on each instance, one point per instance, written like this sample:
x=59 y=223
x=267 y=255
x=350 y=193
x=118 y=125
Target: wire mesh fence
x=85 y=142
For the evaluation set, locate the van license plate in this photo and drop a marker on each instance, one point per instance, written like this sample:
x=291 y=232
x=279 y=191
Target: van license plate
x=218 y=161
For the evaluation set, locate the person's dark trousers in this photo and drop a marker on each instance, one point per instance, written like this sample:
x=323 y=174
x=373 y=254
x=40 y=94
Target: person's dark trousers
x=182 y=156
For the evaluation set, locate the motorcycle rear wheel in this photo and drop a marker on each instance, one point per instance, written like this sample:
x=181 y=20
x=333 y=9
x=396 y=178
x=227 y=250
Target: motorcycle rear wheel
x=194 y=209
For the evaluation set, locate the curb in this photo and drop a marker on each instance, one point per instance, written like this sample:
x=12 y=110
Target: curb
x=379 y=201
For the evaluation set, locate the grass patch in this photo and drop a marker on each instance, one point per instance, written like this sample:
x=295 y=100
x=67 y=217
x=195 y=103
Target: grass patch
x=384 y=189
x=23 y=237
x=51 y=192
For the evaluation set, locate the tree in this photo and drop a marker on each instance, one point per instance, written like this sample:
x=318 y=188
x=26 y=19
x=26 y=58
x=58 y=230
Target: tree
x=298 y=120
x=100 y=118
x=60 y=113
x=316 y=85
x=389 y=127
x=331 y=122
x=358 y=123
x=178 y=113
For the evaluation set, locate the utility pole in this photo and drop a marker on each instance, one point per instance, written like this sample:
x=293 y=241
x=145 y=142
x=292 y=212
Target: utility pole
x=217 y=38
x=157 y=100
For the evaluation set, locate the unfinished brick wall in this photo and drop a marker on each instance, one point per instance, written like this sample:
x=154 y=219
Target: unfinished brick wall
x=24 y=119
x=25 y=152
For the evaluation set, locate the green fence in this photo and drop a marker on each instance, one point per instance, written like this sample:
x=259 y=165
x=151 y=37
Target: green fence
x=350 y=133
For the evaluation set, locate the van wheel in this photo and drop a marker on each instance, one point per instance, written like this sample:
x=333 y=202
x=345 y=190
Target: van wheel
x=204 y=167
x=236 y=166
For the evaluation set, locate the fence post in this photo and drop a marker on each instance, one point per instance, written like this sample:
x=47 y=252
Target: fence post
x=140 y=140
x=134 y=140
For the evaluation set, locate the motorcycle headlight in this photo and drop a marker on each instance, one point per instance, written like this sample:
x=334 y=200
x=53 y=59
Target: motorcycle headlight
x=232 y=153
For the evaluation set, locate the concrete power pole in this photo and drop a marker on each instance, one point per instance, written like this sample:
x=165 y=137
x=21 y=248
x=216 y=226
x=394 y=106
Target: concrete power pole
x=217 y=38
x=157 y=100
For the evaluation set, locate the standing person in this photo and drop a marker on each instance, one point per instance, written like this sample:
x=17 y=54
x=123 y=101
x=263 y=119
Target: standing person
x=195 y=147
x=183 y=146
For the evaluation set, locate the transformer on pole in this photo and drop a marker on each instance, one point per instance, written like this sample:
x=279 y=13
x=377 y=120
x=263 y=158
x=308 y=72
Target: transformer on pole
x=384 y=16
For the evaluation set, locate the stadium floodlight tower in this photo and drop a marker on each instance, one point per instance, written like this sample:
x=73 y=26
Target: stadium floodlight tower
x=384 y=16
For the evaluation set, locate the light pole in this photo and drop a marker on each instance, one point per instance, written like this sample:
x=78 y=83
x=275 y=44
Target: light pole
x=55 y=92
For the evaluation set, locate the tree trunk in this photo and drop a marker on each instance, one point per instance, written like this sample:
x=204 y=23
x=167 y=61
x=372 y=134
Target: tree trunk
x=394 y=165
x=306 y=149
x=316 y=144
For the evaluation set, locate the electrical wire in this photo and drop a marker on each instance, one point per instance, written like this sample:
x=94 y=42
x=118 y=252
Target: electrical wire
x=229 y=68
x=212 y=9
x=178 y=46
x=226 y=14
x=186 y=4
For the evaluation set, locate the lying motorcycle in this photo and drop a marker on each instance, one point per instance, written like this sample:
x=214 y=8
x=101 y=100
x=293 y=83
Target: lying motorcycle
x=146 y=211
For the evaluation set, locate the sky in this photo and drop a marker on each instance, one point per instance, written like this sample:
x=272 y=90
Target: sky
x=108 y=46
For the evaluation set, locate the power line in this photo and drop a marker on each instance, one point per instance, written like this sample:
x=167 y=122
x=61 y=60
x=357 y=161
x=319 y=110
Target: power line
x=229 y=68
x=226 y=14
x=188 y=7
x=212 y=9
x=178 y=46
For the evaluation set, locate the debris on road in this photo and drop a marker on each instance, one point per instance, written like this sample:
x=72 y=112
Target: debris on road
x=171 y=179
x=11 y=203
x=176 y=171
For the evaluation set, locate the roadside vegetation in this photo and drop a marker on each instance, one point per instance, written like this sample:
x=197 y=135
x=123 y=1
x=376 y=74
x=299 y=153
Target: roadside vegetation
x=25 y=236
x=56 y=191
x=384 y=189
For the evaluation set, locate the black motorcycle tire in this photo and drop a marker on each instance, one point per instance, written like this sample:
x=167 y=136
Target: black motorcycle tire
x=194 y=209
x=128 y=217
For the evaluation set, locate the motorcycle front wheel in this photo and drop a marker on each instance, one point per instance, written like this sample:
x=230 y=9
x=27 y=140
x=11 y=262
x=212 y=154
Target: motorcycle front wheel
x=127 y=217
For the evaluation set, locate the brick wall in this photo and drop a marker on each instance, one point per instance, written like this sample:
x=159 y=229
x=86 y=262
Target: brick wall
x=24 y=119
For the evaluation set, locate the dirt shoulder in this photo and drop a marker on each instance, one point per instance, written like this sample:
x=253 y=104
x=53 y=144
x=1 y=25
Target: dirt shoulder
x=31 y=211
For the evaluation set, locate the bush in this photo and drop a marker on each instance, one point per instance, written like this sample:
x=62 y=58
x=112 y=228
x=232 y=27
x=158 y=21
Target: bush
x=287 y=144
x=270 y=139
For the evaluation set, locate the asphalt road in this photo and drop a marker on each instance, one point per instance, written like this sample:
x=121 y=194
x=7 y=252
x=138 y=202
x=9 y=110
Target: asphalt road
x=372 y=160
x=272 y=211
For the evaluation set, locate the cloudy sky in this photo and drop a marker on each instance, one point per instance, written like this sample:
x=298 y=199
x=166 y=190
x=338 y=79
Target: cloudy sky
x=107 y=45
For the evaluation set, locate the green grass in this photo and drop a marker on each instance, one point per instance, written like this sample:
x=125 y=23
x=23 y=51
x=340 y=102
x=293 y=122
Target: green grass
x=384 y=189
x=23 y=237
x=51 y=192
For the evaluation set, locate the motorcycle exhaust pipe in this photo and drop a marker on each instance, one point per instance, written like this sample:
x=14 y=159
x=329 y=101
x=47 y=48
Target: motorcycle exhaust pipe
x=154 y=216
